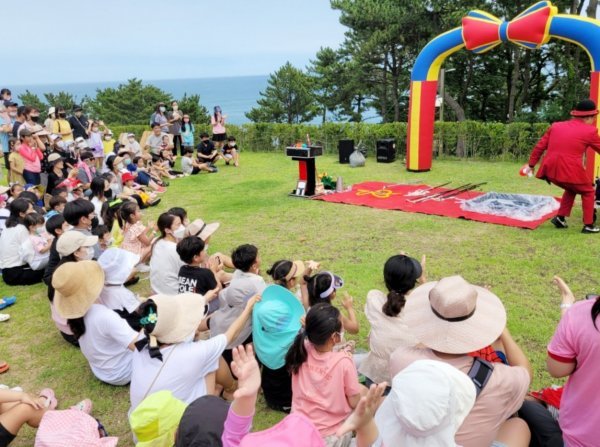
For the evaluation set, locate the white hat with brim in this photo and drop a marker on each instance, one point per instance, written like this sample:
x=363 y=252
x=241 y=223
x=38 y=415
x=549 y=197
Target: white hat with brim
x=178 y=316
x=77 y=286
x=453 y=316
x=54 y=157
x=428 y=403
x=117 y=265
x=71 y=241
x=4 y=189
x=202 y=230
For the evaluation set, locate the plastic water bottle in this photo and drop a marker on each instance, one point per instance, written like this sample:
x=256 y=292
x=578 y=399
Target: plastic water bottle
x=339 y=185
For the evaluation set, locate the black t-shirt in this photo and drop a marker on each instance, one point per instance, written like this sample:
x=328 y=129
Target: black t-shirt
x=227 y=148
x=79 y=126
x=53 y=181
x=206 y=148
x=196 y=279
x=53 y=261
x=15 y=130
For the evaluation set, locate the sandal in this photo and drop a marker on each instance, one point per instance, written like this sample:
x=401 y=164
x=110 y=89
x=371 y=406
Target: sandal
x=4 y=367
x=51 y=402
x=4 y=317
x=7 y=301
x=85 y=405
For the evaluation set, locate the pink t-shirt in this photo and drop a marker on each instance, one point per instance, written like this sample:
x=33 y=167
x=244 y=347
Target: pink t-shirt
x=32 y=158
x=502 y=396
x=218 y=127
x=322 y=386
x=576 y=340
x=130 y=238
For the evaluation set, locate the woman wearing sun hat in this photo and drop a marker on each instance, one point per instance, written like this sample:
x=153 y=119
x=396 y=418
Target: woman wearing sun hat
x=452 y=318
x=105 y=339
x=168 y=358
x=566 y=144
x=275 y=324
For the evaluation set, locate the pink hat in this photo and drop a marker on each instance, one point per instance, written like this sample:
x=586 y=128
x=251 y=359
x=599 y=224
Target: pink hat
x=295 y=430
x=67 y=428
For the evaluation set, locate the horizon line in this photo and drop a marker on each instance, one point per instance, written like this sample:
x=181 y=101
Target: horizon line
x=141 y=79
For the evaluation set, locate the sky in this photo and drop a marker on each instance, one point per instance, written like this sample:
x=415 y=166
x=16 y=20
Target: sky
x=69 y=41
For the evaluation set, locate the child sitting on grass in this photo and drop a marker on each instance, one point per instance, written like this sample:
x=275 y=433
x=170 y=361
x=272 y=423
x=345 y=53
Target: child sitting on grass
x=36 y=249
x=131 y=189
x=56 y=205
x=189 y=166
x=104 y=237
x=322 y=287
x=137 y=238
x=192 y=276
x=230 y=152
x=143 y=175
x=325 y=385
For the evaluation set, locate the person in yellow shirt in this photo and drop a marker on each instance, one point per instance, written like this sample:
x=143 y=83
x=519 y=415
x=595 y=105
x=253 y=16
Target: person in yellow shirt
x=61 y=126
x=17 y=164
x=108 y=142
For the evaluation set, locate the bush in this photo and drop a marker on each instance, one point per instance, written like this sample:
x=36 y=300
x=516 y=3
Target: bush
x=490 y=141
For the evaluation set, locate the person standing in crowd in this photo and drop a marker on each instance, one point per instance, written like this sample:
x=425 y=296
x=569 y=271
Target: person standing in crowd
x=18 y=121
x=187 y=133
x=5 y=95
x=49 y=122
x=566 y=144
x=32 y=155
x=16 y=162
x=217 y=121
x=159 y=117
x=61 y=126
x=79 y=123
x=5 y=131
x=175 y=118
x=95 y=142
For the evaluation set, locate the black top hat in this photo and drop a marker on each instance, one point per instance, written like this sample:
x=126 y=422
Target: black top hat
x=584 y=108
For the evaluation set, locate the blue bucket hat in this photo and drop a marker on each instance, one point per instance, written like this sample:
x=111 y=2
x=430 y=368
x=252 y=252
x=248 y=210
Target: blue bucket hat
x=275 y=323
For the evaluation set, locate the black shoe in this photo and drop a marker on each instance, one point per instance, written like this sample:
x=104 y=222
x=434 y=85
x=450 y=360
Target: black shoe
x=559 y=222
x=132 y=281
x=590 y=229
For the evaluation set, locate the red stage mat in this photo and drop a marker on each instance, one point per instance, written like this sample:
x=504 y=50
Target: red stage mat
x=390 y=196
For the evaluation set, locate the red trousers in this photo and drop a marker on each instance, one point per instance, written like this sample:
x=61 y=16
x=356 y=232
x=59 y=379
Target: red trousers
x=587 y=193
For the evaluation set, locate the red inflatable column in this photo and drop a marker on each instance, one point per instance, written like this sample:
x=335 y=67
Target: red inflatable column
x=421 y=122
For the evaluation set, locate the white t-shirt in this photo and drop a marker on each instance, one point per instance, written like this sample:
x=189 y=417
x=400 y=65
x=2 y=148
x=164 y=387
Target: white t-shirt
x=4 y=213
x=118 y=297
x=187 y=165
x=10 y=246
x=164 y=268
x=185 y=367
x=98 y=209
x=105 y=345
x=35 y=259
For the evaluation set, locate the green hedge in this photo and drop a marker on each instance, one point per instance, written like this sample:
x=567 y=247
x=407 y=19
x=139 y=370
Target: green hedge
x=479 y=140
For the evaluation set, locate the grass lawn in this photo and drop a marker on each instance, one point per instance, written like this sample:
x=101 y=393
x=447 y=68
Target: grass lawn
x=252 y=205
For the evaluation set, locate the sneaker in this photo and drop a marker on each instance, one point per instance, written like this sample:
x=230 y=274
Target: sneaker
x=4 y=317
x=213 y=169
x=559 y=222
x=227 y=162
x=590 y=229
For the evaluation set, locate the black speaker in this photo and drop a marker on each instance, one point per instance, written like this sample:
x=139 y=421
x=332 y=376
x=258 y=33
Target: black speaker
x=386 y=150
x=345 y=148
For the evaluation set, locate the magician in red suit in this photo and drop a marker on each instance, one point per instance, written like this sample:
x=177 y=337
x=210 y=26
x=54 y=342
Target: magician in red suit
x=565 y=144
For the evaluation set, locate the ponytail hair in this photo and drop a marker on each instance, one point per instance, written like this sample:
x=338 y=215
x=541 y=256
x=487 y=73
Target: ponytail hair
x=596 y=311
x=322 y=321
x=316 y=285
x=400 y=274
x=279 y=272
x=77 y=326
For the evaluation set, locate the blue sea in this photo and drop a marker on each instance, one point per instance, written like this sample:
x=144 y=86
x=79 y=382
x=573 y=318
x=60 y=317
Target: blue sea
x=235 y=95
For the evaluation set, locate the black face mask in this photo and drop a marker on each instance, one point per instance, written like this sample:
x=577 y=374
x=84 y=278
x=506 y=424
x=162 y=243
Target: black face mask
x=35 y=119
x=95 y=222
x=62 y=115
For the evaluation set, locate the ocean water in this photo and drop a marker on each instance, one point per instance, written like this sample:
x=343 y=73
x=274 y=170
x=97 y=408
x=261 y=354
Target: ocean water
x=235 y=95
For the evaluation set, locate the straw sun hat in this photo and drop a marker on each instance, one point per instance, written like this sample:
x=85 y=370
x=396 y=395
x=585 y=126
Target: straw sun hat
x=77 y=286
x=201 y=229
x=177 y=316
x=453 y=316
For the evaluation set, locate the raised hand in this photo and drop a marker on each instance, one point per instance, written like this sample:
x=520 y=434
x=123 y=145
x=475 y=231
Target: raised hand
x=365 y=410
x=245 y=367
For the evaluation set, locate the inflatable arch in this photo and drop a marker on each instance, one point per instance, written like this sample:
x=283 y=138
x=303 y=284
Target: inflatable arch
x=480 y=32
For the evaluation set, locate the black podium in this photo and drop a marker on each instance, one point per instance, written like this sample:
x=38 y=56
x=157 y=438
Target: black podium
x=307 y=171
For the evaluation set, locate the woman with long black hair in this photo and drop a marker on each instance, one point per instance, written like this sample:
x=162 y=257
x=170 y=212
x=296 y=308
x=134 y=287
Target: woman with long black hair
x=15 y=271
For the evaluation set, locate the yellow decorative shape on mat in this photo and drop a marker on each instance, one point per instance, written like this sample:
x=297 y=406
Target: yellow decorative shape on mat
x=378 y=194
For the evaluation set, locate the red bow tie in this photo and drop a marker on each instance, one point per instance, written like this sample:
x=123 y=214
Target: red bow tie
x=482 y=31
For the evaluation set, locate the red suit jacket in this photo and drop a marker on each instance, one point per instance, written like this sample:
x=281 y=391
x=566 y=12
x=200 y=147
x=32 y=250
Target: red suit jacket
x=566 y=143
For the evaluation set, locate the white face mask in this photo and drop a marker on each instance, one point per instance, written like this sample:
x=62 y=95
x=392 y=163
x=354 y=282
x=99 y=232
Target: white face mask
x=39 y=231
x=179 y=233
x=131 y=140
x=175 y=108
x=89 y=254
x=120 y=166
x=108 y=137
x=110 y=242
x=162 y=109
